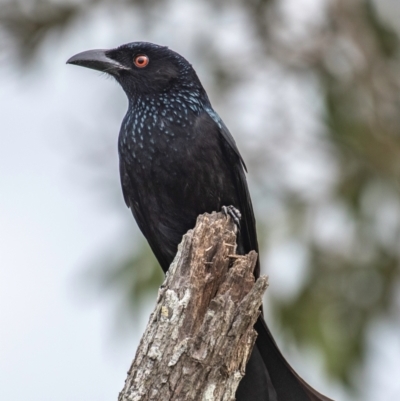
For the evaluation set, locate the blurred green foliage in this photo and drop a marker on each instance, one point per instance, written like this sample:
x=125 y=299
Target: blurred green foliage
x=354 y=55
x=135 y=275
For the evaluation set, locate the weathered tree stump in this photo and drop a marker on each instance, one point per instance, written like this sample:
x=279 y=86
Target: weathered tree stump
x=200 y=335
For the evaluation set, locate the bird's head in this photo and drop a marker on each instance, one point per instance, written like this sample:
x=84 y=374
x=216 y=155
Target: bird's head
x=140 y=67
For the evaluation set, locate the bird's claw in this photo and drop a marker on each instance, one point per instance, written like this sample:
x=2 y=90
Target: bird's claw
x=234 y=213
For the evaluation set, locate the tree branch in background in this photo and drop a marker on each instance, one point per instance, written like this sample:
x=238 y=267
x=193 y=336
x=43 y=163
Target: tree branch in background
x=200 y=335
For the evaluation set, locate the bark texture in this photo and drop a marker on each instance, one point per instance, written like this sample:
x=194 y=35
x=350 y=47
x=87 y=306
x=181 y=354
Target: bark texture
x=200 y=334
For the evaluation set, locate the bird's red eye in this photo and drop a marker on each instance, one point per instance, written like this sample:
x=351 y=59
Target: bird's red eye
x=141 y=61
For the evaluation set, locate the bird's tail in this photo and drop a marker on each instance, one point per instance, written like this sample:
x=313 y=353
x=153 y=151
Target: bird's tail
x=269 y=377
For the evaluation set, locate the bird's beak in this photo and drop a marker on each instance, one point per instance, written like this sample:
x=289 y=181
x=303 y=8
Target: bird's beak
x=97 y=60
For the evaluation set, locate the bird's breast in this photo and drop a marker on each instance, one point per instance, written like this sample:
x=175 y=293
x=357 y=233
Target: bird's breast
x=169 y=151
x=157 y=132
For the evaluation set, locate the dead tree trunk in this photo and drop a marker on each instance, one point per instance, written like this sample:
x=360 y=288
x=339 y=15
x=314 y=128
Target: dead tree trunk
x=200 y=335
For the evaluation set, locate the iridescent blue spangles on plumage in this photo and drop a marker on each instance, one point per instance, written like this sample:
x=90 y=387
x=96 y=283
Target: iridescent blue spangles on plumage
x=178 y=160
x=150 y=117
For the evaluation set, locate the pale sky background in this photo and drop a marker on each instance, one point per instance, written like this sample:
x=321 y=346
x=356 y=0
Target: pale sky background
x=56 y=342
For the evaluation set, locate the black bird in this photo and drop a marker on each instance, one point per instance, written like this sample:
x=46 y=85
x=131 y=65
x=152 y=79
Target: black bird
x=178 y=160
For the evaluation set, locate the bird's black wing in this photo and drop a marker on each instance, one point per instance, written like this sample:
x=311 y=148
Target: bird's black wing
x=226 y=134
x=248 y=234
